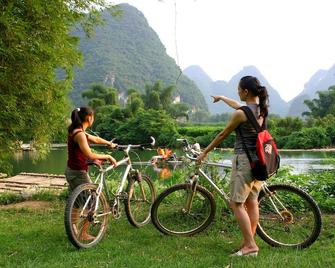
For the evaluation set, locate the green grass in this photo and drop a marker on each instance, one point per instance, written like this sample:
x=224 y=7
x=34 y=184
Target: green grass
x=36 y=238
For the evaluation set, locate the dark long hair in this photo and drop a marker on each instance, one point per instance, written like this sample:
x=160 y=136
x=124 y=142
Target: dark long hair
x=253 y=85
x=78 y=117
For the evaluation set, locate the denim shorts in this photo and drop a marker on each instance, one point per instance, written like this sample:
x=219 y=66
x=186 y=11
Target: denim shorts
x=242 y=183
x=76 y=178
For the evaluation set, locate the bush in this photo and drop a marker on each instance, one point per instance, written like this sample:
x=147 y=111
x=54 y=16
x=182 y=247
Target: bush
x=148 y=123
x=204 y=134
x=320 y=185
x=307 y=138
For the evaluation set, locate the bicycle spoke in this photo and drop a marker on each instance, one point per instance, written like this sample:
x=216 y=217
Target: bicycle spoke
x=173 y=214
x=141 y=195
x=289 y=217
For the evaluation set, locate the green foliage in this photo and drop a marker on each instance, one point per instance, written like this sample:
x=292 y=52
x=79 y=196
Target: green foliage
x=200 y=116
x=148 y=123
x=9 y=198
x=294 y=133
x=204 y=134
x=320 y=185
x=284 y=126
x=134 y=101
x=99 y=95
x=179 y=110
x=34 y=43
x=308 y=138
x=156 y=97
x=323 y=105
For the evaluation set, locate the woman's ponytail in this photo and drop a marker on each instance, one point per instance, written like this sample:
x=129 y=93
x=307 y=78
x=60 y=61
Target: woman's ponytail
x=263 y=101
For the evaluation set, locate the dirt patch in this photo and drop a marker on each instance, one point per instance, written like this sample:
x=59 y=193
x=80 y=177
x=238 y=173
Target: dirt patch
x=34 y=205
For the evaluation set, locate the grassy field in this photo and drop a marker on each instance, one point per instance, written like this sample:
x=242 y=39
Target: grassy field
x=36 y=238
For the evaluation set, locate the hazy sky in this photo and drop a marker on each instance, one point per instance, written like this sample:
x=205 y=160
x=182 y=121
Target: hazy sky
x=287 y=40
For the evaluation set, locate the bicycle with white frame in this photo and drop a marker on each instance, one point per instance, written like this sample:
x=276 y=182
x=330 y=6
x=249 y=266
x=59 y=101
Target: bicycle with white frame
x=90 y=204
x=289 y=217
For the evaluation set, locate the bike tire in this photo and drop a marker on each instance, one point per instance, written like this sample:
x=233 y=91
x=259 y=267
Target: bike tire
x=169 y=216
x=301 y=223
x=138 y=203
x=95 y=225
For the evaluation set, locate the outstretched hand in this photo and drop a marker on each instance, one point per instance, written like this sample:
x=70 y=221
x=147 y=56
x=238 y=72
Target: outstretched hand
x=216 y=98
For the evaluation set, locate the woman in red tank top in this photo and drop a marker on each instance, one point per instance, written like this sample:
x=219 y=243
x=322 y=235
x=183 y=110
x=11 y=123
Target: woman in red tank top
x=79 y=152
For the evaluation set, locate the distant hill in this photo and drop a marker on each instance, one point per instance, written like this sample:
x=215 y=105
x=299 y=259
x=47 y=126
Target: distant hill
x=320 y=81
x=127 y=53
x=229 y=89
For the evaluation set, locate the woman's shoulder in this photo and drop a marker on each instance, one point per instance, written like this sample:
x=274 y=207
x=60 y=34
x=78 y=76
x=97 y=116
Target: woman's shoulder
x=76 y=132
x=239 y=115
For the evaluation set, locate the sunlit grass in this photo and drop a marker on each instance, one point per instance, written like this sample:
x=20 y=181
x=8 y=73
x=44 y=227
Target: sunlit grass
x=36 y=238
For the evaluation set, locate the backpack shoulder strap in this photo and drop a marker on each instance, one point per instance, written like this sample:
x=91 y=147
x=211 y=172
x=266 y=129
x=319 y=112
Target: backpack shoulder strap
x=251 y=117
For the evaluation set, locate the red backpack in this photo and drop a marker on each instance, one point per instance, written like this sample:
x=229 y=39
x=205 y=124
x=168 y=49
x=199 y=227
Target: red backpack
x=266 y=149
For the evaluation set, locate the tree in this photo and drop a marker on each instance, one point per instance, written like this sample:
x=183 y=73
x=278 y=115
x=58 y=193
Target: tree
x=99 y=95
x=148 y=123
x=134 y=101
x=179 y=110
x=34 y=43
x=156 y=97
x=322 y=106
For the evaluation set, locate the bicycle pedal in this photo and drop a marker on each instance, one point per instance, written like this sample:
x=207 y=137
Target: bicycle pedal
x=123 y=196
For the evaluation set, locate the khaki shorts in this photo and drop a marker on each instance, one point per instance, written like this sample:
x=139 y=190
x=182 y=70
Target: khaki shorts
x=242 y=184
x=76 y=178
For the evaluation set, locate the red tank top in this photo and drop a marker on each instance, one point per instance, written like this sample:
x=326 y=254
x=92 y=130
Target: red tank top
x=76 y=159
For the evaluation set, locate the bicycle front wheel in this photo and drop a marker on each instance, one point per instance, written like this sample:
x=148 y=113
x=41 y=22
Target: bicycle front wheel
x=86 y=216
x=289 y=217
x=181 y=211
x=141 y=195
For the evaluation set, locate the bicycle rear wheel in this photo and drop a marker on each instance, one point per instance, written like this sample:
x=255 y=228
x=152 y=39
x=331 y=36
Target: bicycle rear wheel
x=289 y=217
x=141 y=195
x=171 y=215
x=84 y=225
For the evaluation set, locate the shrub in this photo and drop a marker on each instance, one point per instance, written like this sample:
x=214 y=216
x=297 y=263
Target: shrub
x=148 y=123
x=307 y=138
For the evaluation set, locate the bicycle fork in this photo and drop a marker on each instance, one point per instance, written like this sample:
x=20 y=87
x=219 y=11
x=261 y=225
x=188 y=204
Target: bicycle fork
x=193 y=183
x=285 y=215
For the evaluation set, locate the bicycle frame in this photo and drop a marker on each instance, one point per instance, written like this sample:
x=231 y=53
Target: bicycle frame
x=101 y=181
x=198 y=171
x=224 y=195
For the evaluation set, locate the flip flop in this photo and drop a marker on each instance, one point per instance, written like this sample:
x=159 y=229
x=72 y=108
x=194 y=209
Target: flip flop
x=87 y=237
x=241 y=254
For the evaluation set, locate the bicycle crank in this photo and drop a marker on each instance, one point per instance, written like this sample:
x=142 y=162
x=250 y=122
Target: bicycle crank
x=287 y=216
x=116 y=210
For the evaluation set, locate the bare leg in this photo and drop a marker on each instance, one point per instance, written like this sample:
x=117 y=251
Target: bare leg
x=75 y=218
x=84 y=235
x=242 y=217
x=253 y=211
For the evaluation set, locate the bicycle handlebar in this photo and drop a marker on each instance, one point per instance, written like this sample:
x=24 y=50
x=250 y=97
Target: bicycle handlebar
x=192 y=154
x=133 y=146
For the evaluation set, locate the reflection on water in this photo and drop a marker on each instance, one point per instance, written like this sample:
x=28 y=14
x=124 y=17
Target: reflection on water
x=55 y=162
x=305 y=161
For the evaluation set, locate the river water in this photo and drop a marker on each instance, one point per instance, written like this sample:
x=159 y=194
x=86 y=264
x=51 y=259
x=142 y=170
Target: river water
x=55 y=162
